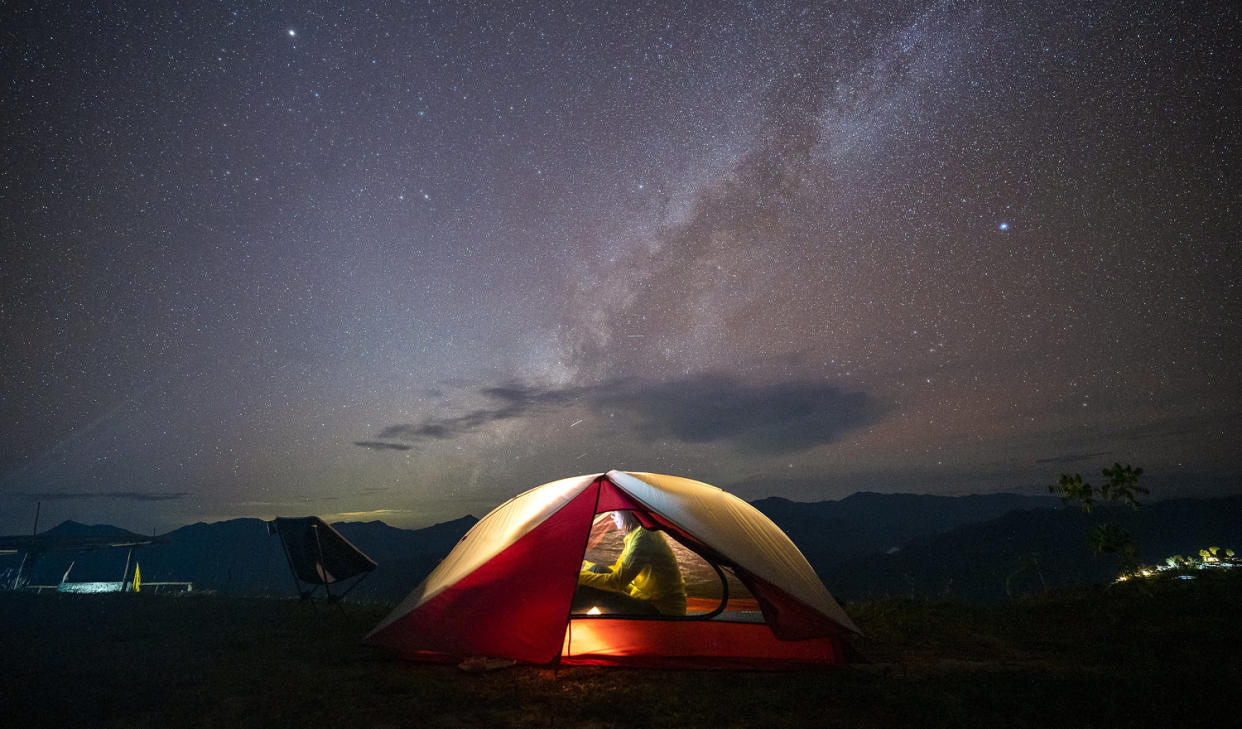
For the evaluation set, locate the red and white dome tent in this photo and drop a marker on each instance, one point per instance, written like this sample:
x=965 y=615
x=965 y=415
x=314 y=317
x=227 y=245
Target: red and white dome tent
x=507 y=588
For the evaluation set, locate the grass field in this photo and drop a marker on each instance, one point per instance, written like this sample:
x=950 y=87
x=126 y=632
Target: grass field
x=1167 y=656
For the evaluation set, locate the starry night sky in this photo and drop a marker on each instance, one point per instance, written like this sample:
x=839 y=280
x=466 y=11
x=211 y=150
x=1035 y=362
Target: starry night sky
x=404 y=260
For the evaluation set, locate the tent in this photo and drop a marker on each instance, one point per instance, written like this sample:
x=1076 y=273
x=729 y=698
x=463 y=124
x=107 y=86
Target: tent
x=507 y=590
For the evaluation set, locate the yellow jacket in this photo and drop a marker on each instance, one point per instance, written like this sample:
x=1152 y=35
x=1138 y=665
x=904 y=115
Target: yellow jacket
x=646 y=570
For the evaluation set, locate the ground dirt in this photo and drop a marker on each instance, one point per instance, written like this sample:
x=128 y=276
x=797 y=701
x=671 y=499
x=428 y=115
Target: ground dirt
x=1162 y=656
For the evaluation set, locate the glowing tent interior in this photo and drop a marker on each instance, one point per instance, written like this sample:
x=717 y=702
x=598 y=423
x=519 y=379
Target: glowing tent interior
x=508 y=589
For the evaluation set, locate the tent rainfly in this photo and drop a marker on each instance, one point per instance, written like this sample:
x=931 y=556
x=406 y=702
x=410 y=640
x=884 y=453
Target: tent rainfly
x=509 y=589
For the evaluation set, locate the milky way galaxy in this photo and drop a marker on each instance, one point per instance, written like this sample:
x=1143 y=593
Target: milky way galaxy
x=404 y=261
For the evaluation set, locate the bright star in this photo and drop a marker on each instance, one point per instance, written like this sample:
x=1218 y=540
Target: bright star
x=1004 y=226
x=292 y=33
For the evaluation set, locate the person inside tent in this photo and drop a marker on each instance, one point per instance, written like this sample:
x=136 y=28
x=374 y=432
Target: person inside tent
x=645 y=579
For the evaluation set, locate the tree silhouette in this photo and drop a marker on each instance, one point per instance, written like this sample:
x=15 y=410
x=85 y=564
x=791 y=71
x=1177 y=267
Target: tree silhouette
x=1122 y=487
x=1112 y=539
x=1073 y=488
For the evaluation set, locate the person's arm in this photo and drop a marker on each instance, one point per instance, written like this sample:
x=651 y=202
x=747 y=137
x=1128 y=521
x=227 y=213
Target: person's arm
x=619 y=576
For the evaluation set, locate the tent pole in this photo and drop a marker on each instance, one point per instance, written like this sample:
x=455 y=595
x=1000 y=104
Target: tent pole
x=18 y=579
x=34 y=532
x=585 y=541
x=128 y=557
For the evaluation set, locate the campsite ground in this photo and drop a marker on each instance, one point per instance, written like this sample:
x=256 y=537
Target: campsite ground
x=1167 y=656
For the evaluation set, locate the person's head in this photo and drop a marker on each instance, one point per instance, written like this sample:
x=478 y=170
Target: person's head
x=625 y=520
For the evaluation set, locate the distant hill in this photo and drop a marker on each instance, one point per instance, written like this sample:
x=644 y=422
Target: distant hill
x=829 y=532
x=405 y=556
x=70 y=529
x=1027 y=550
x=867 y=545
x=235 y=556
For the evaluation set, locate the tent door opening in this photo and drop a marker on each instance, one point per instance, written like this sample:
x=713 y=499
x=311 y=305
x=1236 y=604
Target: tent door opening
x=636 y=573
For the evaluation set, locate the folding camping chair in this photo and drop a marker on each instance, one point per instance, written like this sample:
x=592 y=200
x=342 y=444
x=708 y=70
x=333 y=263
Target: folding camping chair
x=319 y=555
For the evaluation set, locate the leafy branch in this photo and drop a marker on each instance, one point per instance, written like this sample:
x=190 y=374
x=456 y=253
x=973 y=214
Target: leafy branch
x=1122 y=487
